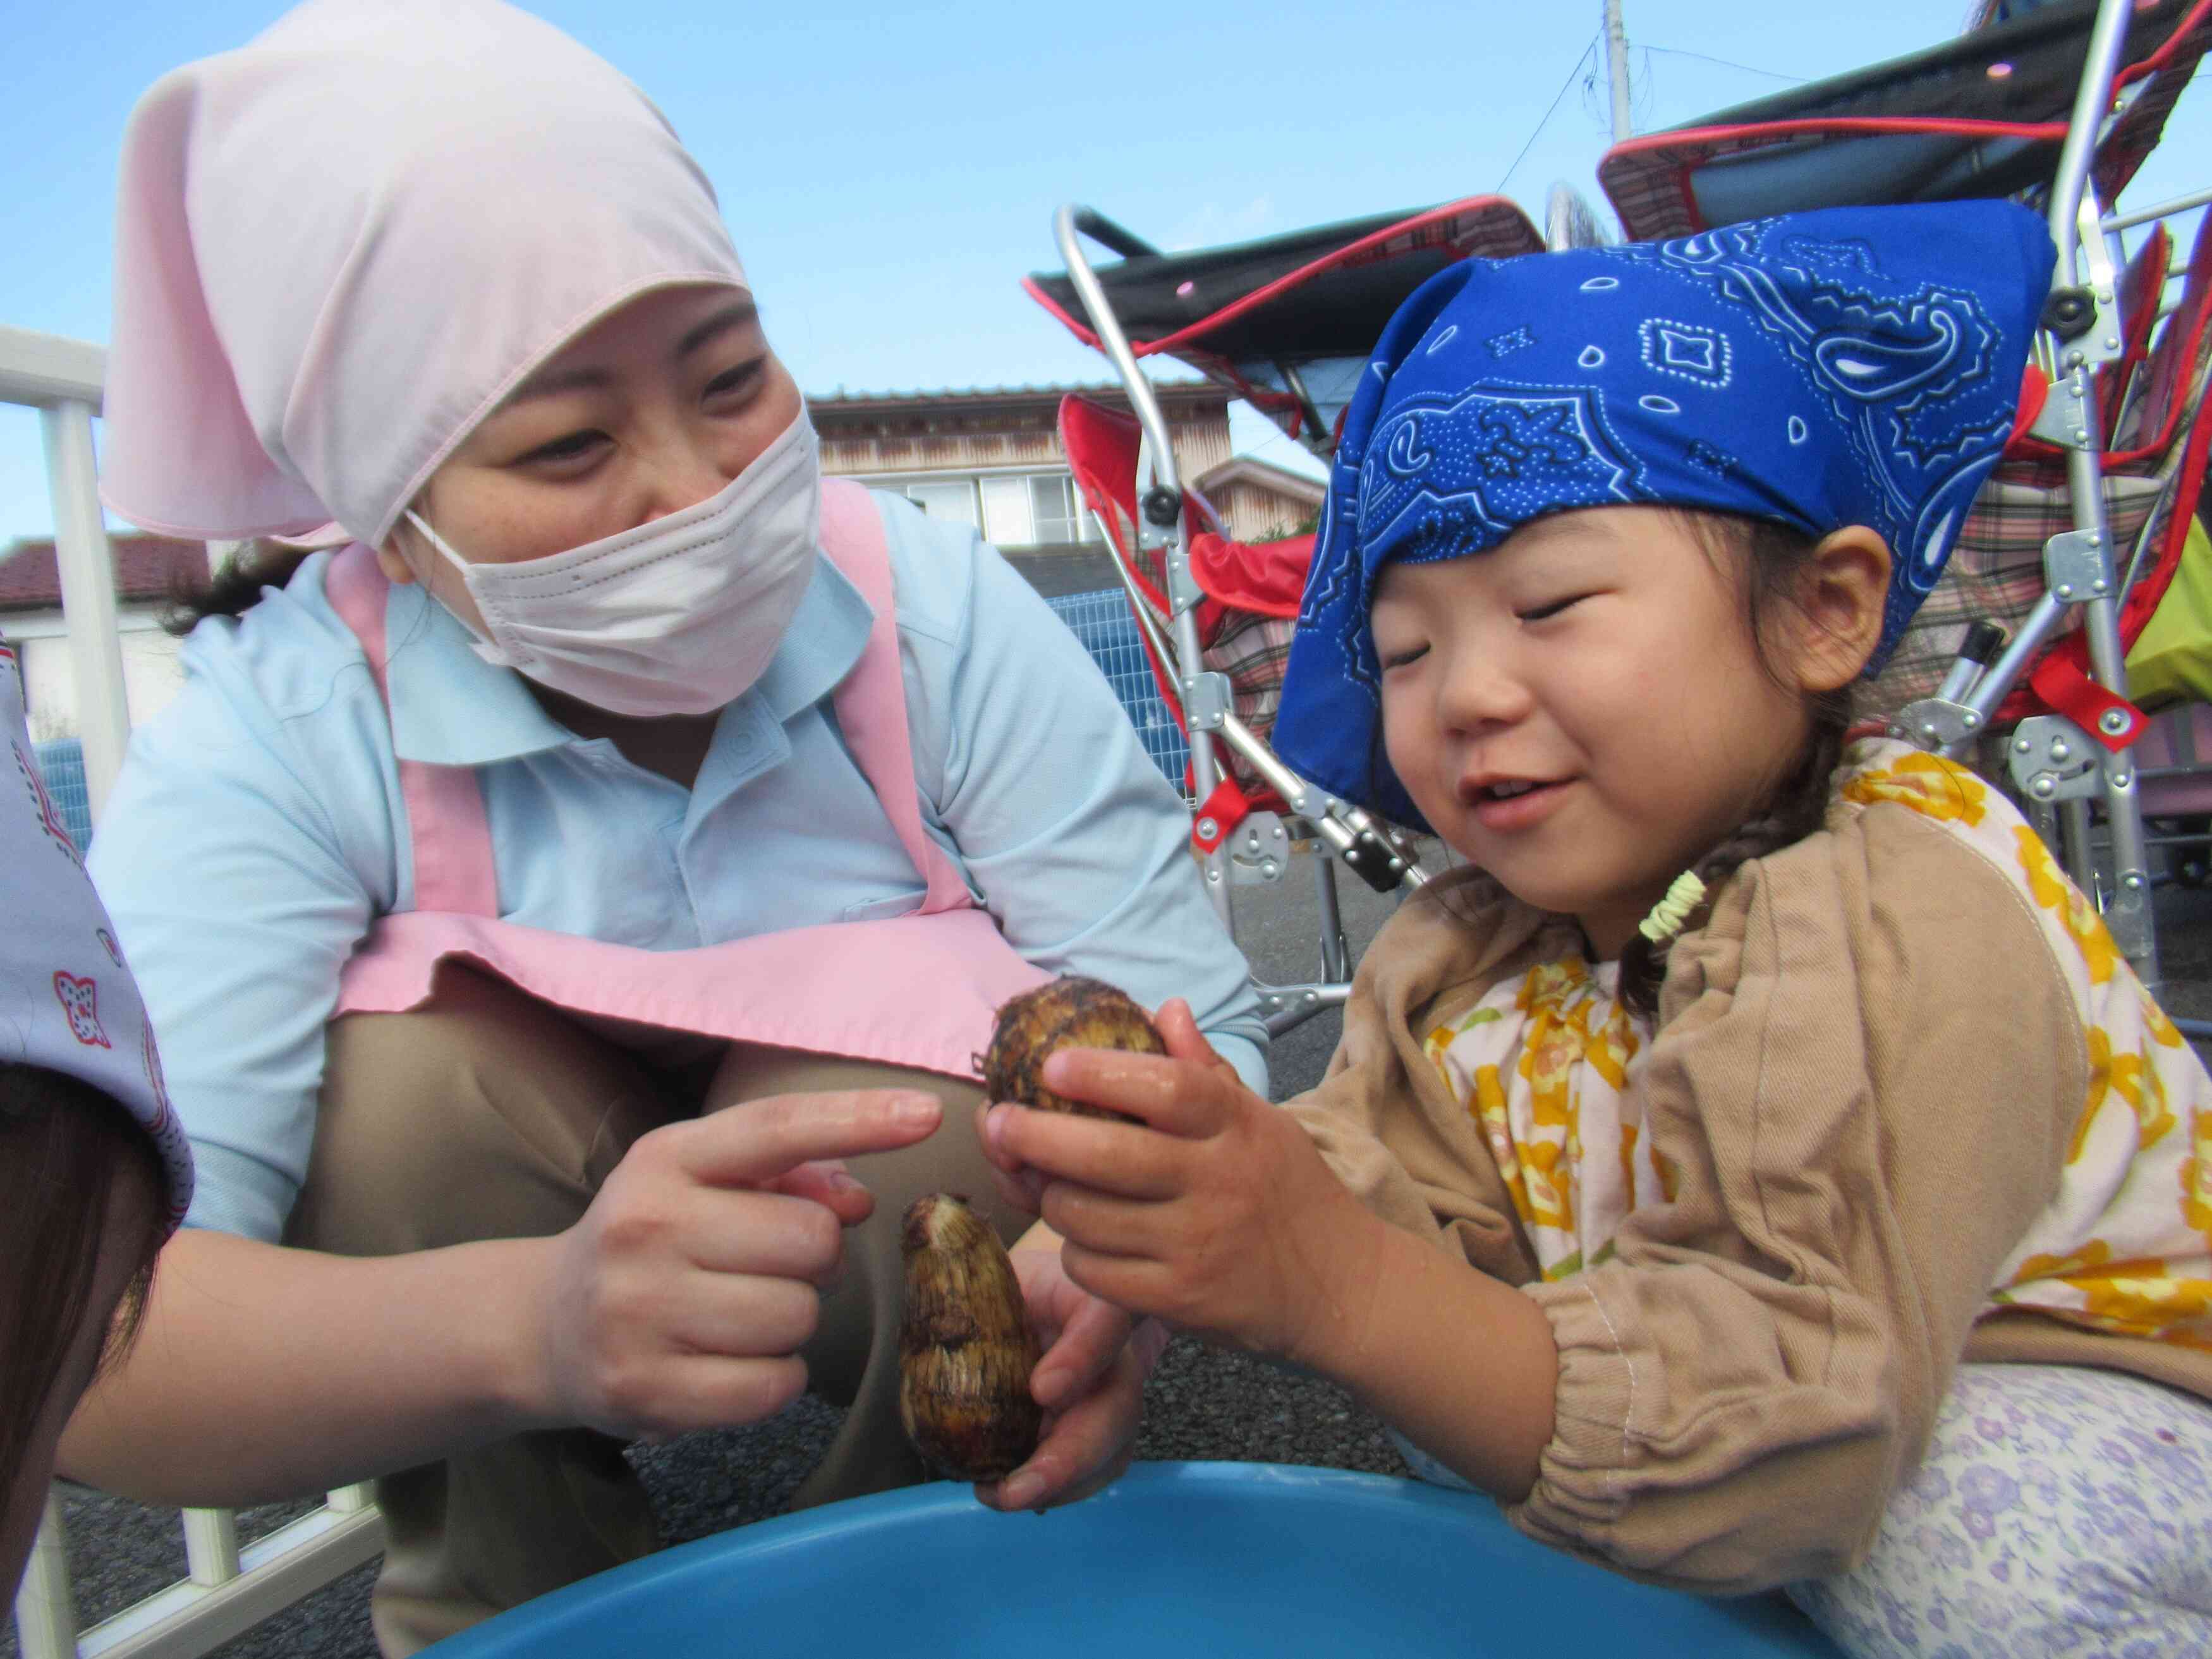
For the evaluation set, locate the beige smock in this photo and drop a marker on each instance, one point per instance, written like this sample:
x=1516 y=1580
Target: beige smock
x=1906 y=1104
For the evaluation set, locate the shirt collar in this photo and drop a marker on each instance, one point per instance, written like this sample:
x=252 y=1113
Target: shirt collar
x=821 y=646
x=450 y=708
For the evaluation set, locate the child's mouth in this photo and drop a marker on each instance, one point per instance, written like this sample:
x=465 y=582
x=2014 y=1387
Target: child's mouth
x=1513 y=803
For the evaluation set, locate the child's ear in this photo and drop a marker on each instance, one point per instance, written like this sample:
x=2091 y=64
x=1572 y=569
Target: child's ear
x=1843 y=589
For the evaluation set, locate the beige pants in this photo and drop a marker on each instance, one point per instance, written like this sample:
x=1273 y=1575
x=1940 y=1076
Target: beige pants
x=488 y=1115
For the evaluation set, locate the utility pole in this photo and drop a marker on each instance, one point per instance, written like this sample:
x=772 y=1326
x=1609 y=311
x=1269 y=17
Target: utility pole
x=1616 y=57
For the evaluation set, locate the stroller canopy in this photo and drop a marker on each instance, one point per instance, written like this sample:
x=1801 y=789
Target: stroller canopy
x=1310 y=304
x=1982 y=115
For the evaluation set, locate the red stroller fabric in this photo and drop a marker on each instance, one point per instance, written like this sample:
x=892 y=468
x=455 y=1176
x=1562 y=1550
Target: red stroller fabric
x=1252 y=588
x=1268 y=578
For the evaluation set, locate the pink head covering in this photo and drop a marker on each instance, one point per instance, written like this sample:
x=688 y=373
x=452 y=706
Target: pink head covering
x=340 y=245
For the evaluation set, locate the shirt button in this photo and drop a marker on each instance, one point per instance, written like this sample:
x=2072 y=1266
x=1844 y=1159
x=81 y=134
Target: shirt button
x=746 y=740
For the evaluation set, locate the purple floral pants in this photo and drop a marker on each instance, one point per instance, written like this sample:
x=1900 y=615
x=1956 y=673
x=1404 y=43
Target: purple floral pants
x=2059 y=1511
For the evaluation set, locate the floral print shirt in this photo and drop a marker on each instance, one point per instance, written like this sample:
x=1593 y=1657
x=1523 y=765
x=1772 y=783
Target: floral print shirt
x=1546 y=1063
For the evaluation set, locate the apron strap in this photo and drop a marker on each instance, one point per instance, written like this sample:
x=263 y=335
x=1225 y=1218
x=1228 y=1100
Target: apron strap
x=870 y=700
x=453 y=868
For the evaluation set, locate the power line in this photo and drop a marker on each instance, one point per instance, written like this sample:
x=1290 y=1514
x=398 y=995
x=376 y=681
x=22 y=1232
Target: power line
x=1671 y=51
x=1572 y=76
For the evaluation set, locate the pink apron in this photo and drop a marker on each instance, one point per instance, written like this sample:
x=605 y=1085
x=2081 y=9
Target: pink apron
x=915 y=990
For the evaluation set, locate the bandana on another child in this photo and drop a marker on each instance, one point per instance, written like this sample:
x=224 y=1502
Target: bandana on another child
x=1855 y=366
x=68 y=1004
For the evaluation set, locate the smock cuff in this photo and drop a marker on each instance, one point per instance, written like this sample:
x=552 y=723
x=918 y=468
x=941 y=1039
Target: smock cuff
x=1579 y=1495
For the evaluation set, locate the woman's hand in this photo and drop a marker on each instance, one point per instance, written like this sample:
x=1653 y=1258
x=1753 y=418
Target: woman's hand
x=1090 y=1383
x=681 y=1299
x=1218 y=1215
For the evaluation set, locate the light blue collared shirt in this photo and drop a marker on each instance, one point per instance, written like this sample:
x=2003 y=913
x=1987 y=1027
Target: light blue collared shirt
x=258 y=829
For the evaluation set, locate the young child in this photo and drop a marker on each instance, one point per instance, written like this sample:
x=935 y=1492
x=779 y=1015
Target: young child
x=94 y=1173
x=1678 y=1149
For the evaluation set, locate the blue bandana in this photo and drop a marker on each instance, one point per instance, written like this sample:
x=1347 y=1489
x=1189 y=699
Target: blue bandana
x=1854 y=366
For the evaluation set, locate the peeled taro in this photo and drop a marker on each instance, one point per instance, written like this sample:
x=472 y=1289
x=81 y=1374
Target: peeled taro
x=965 y=1347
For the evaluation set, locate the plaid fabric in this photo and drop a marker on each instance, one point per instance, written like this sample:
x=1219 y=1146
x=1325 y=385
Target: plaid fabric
x=1996 y=572
x=1252 y=650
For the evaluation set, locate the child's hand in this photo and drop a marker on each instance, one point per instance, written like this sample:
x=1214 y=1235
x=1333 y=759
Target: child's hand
x=1219 y=1216
x=1090 y=1383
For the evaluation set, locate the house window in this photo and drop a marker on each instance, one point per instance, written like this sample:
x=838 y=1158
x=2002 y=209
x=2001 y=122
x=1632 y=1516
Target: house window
x=953 y=499
x=1054 y=510
x=1033 y=510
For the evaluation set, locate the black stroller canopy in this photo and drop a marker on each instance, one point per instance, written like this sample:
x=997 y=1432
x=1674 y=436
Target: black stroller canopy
x=2044 y=49
x=1286 y=322
x=1981 y=115
x=1337 y=309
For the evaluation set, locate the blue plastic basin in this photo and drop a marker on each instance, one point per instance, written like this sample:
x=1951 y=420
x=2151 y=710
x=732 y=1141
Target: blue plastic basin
x=1219 y=1558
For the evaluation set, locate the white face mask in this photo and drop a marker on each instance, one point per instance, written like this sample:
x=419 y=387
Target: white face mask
x=678 y=616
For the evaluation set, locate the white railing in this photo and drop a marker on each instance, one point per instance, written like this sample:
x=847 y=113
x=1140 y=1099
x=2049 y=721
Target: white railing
x=229 y=1589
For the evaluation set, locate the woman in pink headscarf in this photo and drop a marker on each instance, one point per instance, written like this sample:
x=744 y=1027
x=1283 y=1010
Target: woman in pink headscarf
x=570 y=907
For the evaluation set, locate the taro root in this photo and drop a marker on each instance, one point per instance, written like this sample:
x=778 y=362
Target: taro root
x=1070 y=1012
x=965 y=1347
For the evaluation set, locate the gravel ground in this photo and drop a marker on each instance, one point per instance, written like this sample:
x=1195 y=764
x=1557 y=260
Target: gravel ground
x=1199 y=1404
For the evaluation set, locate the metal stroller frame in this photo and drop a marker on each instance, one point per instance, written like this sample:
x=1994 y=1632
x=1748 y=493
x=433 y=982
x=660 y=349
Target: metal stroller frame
x=1209 y=716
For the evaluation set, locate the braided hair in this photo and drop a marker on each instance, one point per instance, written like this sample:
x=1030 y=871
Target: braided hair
x=1772 y=558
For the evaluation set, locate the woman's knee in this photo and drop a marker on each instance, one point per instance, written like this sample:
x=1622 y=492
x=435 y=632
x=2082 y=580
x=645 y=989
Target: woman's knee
x=486 y=1114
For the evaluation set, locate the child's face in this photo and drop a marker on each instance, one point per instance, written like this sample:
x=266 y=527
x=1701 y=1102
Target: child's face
x=1582 y=710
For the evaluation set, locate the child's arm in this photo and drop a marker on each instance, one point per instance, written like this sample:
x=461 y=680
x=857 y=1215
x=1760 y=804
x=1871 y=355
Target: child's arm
x=1220 y=1216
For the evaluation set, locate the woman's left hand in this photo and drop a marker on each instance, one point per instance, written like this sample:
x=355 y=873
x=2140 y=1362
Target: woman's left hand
x=1090 y=1383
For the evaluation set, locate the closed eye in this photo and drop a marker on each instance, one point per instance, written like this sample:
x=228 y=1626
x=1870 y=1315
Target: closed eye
x=1541 y=612
x=1402 y=659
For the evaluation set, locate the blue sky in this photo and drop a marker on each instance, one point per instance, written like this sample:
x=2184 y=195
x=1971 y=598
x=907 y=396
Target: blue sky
x=889 y=170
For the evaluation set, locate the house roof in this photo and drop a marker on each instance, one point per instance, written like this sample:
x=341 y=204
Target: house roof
x=969 y=397
x=1250 y=469
x=146 y=567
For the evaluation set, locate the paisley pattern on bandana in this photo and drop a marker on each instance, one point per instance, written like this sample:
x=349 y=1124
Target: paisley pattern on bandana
x=1897 y=369
x=1854 y=366
x=1546 y=1066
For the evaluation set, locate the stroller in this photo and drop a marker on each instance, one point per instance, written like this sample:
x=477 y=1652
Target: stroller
x=2017 y=662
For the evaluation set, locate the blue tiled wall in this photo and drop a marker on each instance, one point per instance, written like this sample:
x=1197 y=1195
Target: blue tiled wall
x=62 y=765
x=1102 y=621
